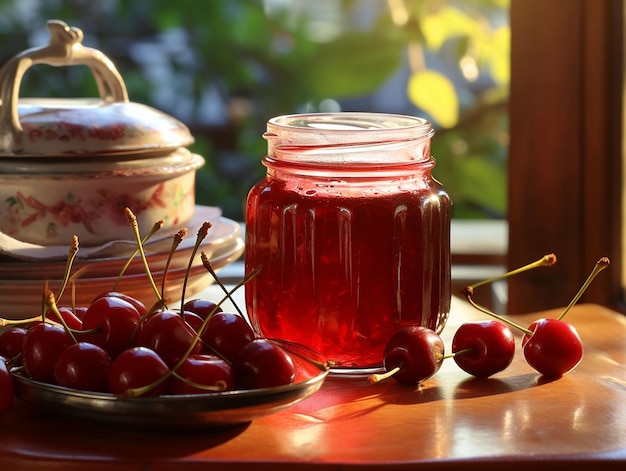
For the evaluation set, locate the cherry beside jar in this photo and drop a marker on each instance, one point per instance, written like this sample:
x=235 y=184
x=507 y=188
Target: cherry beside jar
x=351 y=234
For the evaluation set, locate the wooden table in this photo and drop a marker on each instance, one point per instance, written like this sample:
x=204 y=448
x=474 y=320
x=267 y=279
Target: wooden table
x=515 y=420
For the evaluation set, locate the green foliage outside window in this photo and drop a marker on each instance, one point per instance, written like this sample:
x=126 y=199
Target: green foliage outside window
x=225 y=67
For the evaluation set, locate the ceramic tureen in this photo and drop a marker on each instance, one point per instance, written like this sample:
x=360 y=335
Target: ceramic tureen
x=71 y=166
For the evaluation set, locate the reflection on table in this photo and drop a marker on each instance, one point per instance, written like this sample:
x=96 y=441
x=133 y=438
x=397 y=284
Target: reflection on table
x=515 y=419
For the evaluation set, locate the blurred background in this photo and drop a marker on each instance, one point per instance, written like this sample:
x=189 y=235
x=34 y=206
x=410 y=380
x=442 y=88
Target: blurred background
x=225 y=67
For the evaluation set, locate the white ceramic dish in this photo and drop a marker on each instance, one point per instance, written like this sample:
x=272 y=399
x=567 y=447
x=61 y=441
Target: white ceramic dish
x=223 y=233
x=48 y=202
x=71 y=166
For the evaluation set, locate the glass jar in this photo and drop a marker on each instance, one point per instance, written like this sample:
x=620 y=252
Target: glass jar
x=351 y=234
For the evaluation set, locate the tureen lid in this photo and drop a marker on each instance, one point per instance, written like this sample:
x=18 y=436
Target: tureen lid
x=107 y=125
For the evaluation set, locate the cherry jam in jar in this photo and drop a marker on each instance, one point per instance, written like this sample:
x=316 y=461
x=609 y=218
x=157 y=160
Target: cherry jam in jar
x=351 y=234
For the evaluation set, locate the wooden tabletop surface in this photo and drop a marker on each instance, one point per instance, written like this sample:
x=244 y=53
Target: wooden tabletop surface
x=452 y=421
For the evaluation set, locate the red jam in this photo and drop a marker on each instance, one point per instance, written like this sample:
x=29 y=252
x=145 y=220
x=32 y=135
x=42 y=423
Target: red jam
x=349 y=253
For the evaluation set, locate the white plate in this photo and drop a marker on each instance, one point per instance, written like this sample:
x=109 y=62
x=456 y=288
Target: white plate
x=221 y=233
x=21 y=298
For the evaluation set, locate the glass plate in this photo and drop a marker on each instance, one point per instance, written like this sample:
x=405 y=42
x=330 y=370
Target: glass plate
x=184 y=411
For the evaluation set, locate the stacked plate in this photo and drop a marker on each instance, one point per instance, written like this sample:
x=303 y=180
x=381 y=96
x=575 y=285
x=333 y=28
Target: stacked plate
x=22 y=282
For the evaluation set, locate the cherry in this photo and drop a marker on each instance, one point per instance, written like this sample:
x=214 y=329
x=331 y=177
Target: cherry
x=263 y=364
x=553 y=347
x=412 y=355
x=71 y=319
x=111 y=322
x=138 y=368
x=227 y=333
x=43 y=345
x=79 y=311
x=7 y=390
x=96 y=347
x=12 y=341
x=83 y=366
x=194 y=320
x=200 y=374
x=141 y=307
x=203 y=307
x=167 y=333
x=483 y=348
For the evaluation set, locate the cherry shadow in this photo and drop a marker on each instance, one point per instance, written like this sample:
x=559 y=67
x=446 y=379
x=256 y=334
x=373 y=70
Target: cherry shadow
x=480 y=387
x=408 y=395
x=364 y=398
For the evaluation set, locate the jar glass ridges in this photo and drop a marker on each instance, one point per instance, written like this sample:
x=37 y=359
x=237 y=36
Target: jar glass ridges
x=351 y=233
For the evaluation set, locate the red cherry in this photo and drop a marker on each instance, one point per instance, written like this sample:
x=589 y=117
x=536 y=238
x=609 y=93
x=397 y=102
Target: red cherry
x=203 y=307
x=167 y=333
x=83 y=366
x=138 y=367
x=43 y=345
x=412 y=355
x=553 y=348
x=141 y=307
x=227 y=333
x=113 y=322
x=12 y=341
x=206 y=370
x=7 y=390
x=193 y=319
x=71 y=319
x=263 y=364
x=483 y=348
x=80 y=311
x=550 y=346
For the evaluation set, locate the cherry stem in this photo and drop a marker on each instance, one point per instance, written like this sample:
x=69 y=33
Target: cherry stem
x=291 y=347
x=8 y=322
x=219 y=386
x=155 y=228
x=52 y=306
x=30 y=320
x=377 y=377
x=132 y=219
x=178 y=238
x=135 y=392
x=70 y=261
x=94 y=330
x=209 y=267
x=468 y=291
x=202 y=233
x=598 y=267
x=545 y=261
x=73 y=297
x=464 y=351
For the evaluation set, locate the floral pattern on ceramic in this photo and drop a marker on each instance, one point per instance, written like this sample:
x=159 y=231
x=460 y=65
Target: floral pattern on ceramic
x=96 y=214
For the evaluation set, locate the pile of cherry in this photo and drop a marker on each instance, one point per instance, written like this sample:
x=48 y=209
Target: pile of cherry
x=483 y=348
x=116 y=345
